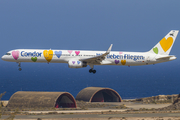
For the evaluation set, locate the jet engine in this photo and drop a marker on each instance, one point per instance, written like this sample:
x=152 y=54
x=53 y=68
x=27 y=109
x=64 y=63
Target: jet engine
x=76 y=64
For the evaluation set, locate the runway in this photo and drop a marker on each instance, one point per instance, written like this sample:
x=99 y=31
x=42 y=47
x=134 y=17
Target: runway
x=98 y=113
x=93 y=116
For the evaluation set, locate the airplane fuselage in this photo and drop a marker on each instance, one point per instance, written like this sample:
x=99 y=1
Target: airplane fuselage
x=81 y=58
x=64 y=56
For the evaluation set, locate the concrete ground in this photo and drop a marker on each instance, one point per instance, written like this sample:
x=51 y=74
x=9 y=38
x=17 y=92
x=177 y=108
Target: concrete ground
x=132 y=116
x=105 y=113
x=129 y=105
x=133 y=105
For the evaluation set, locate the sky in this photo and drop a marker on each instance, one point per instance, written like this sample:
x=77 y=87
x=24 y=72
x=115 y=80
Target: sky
x=130 y=25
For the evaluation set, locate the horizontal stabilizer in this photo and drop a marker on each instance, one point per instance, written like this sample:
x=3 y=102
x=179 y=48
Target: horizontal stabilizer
x=166 y=57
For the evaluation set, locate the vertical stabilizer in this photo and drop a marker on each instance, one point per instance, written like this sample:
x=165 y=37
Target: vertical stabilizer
x=164 y=46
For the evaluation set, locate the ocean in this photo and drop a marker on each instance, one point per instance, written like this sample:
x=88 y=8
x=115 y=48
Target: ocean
x=130 y=82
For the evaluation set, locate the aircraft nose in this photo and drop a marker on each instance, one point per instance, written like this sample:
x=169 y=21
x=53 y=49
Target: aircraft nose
x=3 y=57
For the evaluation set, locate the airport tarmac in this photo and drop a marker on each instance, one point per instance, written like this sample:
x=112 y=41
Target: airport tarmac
x=129 y=105
x=101 y=113
x=94 y=116
x=134 y=105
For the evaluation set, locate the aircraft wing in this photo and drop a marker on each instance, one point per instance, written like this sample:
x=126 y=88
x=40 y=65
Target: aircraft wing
x=97 y=59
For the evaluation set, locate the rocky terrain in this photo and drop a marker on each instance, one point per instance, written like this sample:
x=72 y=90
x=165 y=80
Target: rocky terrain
x=174 y=106
x=160 y=99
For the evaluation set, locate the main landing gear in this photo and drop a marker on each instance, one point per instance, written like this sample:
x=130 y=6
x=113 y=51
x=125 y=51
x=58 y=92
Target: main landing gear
x=19 y=65
x=92 y=71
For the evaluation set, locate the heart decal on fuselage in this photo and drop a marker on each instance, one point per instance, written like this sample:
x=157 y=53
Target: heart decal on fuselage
x=69 y=51
x=48 y=54
x=34 y=59
x=77 y=52
x=15 y=54
x=58 y=53
x=123 y=62
x=116 y=61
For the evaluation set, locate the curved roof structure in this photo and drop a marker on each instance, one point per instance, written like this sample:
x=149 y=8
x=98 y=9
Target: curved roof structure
x=26 y=99
x=98 y=94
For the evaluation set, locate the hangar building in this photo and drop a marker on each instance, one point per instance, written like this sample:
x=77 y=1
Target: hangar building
x=98 y=94
x=24 y=99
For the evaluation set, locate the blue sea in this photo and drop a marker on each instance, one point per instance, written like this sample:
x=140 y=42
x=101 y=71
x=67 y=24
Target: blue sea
x=130 y=82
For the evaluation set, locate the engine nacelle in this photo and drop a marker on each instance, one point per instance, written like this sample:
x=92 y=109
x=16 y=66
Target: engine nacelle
x=76 y=64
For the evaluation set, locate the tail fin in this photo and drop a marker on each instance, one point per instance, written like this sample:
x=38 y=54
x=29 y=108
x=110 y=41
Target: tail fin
x=164 y=46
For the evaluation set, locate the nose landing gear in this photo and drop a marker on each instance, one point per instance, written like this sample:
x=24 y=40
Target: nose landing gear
x=20 y=69
x=19 y=65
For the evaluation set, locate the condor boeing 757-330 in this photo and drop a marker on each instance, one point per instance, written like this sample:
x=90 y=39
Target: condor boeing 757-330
x=81 y=58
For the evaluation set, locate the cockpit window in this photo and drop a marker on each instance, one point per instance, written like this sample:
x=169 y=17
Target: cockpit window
x=8 y=53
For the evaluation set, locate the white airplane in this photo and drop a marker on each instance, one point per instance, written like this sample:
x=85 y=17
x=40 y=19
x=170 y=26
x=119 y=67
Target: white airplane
x=80 y=58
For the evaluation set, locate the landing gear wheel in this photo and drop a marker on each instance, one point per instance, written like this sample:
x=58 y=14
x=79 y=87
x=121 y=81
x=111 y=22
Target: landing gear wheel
x=94 y=71
x=20 y=69
x=90 y=70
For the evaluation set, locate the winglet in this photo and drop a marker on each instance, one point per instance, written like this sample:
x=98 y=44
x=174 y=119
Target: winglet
x=109 y=50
